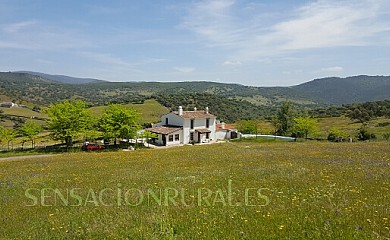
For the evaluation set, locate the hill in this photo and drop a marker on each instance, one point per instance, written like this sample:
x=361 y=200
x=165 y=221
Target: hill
x=347 y=90
x=236 y=101
x=62 y=78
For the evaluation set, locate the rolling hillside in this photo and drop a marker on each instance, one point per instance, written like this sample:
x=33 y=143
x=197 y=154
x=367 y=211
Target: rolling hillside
x=62 y=78
x=44 y=89
x=347 y=90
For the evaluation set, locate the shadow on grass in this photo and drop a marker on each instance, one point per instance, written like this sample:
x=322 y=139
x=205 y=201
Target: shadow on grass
x=61 y=148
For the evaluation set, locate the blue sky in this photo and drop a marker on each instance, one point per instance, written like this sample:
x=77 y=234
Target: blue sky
x=259 y=43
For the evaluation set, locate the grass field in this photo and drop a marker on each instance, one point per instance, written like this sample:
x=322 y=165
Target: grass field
x=238 y=190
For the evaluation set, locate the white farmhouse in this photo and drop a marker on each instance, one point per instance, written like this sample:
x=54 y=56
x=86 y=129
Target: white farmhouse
x=183 y=127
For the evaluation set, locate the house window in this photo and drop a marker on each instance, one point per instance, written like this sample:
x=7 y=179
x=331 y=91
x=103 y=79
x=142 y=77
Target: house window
x=166 y=121
x=192 y=124
x=207 y=135
x=207 y=122
x=170 y=139
x=177 y=137
x=192 y=136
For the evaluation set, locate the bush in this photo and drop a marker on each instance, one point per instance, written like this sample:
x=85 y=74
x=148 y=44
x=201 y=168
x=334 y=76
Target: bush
x=364 y=134
x=386 y=136
x=335 y=135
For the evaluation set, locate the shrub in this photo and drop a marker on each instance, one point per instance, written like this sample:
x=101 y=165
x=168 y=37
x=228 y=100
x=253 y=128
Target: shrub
x=364 y=134
x=386 y=136
x=335 y=134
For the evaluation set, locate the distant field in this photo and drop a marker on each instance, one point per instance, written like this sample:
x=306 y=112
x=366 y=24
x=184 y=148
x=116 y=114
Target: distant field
x=378 y=126
x=238 y=190
x=22 y=112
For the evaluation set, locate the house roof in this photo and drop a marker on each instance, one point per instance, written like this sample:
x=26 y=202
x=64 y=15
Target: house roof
x=196 y=114
x=202 y=130
x=164 y=129
x=227 y=126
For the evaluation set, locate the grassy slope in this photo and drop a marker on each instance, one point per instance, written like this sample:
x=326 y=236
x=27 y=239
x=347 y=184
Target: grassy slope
x=150 y=110
x=315 y=190
x=22 y=112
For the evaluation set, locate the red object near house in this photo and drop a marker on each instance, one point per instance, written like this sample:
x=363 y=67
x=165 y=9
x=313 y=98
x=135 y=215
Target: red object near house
x=90 y=146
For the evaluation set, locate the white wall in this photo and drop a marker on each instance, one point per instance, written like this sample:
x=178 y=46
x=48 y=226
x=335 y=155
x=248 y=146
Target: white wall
x=173 y=119
x=221 y=134
x=175 y=142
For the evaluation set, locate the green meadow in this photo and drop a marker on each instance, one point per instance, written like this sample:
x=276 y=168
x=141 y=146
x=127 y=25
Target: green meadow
x=236 y=190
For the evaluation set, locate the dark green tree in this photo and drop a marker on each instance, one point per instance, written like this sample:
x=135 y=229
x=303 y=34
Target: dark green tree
x=284 y=119
x=364 y=134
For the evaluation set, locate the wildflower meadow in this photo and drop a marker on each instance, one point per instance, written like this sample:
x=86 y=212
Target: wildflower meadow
x=236 y=190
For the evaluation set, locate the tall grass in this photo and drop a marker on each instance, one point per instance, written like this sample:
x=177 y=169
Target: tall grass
x=314 y=191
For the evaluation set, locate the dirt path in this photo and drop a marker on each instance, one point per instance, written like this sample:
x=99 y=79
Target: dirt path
x=27 y=156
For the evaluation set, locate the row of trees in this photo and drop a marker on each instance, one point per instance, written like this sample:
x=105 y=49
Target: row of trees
x=69 y=119
x=29 y=131
x=360 y=112
x=290 y=122
x=286 y=122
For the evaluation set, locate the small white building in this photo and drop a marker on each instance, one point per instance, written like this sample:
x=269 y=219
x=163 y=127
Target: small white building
x=184 y=127
x=8 y=104
x=226 y=131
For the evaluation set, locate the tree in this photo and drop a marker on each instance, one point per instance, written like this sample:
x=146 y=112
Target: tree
x=119 y=122
x=68 y=119
x=7 y=135
x=305 y=125
x=30 y=130
x=284 y=119
x=248 y=126
x=364 y=134
x=361 y=115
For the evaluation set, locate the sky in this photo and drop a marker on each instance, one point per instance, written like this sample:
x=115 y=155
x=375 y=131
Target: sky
x=256 y=43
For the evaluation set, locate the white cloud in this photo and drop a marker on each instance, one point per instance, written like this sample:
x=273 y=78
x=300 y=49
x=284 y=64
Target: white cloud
x=184 y=69
x=16 y=27
x=232 y=63
x=33 y=35
x=319 y=24
x=336 y=69
x=213 y=21
x=329 y=24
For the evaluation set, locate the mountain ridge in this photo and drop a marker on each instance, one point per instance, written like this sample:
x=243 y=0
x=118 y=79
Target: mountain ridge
x=332 y=90
x=63 y=78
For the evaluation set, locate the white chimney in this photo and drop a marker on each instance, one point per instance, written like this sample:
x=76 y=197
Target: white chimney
x=195 y=109
x=222 y=125
x=207 y=110
x=180 y=111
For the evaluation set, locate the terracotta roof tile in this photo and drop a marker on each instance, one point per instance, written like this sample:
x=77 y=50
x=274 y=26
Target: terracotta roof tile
x=164 y=129
x=196 y=114
x=202 y=130
x=227 y=126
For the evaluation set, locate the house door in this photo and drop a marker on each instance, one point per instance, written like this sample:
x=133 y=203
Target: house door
x=199 y=138
x=233 y=135
x=164 y=139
